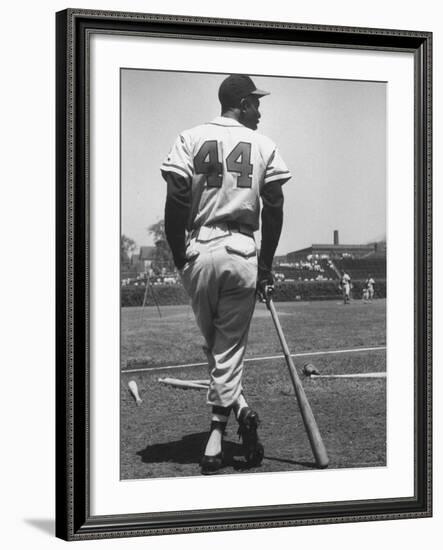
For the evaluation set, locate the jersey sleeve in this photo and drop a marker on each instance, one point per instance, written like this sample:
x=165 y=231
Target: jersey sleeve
x=276 y=169
x=179 y=159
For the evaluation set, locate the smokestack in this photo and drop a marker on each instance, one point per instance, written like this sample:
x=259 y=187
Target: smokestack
x=335 y=236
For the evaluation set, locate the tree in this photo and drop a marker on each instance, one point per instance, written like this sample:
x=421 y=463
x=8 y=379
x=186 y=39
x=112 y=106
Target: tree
x=127 y=245
x=157 y=230
x=163 y=255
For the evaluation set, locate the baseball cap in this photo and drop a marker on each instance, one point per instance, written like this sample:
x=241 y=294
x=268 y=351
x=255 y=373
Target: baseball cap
x=236 y=87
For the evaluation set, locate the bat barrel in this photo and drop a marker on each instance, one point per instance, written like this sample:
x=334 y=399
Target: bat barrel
x=315 y=439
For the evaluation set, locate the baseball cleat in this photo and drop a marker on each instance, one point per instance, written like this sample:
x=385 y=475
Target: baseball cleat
x=211 y=464
x=253 y=450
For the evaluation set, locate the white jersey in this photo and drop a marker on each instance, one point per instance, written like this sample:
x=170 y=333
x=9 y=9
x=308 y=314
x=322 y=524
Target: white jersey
x=345 y=280
x=227 y=165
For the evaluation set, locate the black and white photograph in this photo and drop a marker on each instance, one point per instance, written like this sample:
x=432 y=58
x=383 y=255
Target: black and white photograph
x=220 y=235
x=243 y=274
x=253 y=279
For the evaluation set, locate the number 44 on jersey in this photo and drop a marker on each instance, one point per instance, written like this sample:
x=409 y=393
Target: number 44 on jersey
x=207 y=162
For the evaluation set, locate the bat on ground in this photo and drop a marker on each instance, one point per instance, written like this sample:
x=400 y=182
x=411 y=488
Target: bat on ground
x=317 y=445
x=193 y=384
x=133 y=390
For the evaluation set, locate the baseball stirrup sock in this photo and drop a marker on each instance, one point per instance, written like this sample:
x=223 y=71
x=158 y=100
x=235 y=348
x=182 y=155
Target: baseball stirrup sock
x=239 y=404
x=220 y=414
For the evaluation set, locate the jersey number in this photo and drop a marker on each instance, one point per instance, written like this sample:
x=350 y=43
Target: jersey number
x=206 y=162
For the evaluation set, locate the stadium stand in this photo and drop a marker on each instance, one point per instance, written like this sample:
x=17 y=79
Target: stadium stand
x=359 y=269
x=305 y=270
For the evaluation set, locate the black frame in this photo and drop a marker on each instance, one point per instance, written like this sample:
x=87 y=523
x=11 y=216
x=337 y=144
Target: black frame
x=73 y=518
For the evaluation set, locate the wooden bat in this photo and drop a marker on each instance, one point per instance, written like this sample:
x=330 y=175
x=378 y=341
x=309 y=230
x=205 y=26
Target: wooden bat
x=317 y=445
x=186 y=384
x=132 y=385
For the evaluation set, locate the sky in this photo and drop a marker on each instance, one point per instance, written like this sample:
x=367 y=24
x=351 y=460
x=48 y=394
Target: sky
x=331 y=134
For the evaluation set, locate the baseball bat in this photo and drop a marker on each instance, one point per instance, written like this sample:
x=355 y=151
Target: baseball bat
x=317 y=445
x=133 y=390
x=193 y=384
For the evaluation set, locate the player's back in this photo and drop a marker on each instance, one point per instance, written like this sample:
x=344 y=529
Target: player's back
x=227 y=164
x=229 y=167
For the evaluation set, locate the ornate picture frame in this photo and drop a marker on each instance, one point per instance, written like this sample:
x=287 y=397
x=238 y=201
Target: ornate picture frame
x=75 y=519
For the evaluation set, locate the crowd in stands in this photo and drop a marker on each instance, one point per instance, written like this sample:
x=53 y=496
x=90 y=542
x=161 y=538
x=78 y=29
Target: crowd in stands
x=162 y=278
x=314 y=268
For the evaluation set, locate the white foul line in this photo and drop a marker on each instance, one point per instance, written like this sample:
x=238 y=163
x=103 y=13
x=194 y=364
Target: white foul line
x=352 y=375
x=269 y=357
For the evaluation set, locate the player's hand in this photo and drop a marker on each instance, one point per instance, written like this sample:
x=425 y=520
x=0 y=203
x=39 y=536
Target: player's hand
x=265 y=283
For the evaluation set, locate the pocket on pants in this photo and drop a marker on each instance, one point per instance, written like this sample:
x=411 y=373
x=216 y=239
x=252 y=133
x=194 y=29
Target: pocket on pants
x=241 y=245
x=187 y=269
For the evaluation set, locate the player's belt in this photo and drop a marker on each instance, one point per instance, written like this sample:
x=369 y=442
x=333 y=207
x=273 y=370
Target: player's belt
x=240 y=228
x=219 y=230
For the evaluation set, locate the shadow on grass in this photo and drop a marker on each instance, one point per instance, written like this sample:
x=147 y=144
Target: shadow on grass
x=189 y=450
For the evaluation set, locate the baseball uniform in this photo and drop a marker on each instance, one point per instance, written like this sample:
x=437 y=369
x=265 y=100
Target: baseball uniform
x=370 y=284
x=227 y=167
x=346 y=286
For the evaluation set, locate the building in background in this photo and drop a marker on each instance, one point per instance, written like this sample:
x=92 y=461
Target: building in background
x=337 y=251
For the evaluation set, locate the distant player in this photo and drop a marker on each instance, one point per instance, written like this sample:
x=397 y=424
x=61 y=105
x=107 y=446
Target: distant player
x=370 y=286
x=345 y=284
x=365 y=293
x=217 y=175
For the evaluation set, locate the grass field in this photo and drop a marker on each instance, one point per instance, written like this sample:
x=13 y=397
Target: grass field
x=165 y=436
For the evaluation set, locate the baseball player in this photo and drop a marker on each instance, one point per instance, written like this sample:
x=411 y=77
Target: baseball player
x=365 y=293
x=370 y=286
x=217 y=175
x=346 y=287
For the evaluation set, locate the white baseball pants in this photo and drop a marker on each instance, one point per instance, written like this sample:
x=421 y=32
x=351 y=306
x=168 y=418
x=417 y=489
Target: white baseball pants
x=220 y=277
